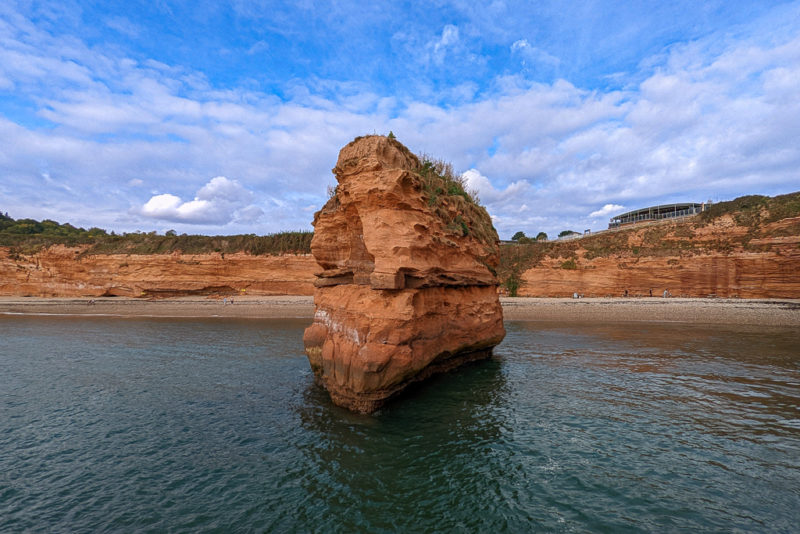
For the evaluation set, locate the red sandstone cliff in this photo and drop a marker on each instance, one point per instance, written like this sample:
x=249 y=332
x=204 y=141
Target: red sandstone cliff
x=61 y=271
x=407 y=287
x=726 y=256
x=693 y=258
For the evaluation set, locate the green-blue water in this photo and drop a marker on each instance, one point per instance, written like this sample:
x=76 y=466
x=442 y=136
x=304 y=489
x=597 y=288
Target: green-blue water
x=123 y=425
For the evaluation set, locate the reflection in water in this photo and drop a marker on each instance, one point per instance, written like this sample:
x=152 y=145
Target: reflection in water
x=411 y=465
x=743 y=378
x=682 y=417
x=187 y=425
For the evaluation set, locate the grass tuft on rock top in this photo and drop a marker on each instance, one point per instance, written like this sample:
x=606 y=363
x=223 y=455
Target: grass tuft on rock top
x=458 y=208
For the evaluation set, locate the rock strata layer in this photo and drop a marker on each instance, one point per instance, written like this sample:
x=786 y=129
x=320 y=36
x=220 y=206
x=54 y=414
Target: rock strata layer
x=688 y=259
x=61 y=271
x=408 y=286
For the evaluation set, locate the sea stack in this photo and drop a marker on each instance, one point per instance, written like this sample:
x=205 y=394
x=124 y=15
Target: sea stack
x=408 y=286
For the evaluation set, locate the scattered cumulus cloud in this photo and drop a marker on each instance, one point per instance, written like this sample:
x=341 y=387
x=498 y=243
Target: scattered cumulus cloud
x=607 y=210
x=711 y=118
x=218 y=202
x=487 y=192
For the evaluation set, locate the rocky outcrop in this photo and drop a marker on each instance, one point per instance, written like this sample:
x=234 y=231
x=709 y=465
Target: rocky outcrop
x=61 y=271
x=408 y=286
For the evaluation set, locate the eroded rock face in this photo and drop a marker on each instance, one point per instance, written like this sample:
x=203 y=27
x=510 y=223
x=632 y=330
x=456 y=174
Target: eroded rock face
x=407 y=288
x=61 y=271
x=691 y=260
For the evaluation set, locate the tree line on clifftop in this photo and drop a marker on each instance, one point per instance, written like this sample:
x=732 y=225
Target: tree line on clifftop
x=27 y=236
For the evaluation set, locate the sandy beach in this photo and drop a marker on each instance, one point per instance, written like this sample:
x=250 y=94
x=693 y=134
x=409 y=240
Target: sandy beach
x=265 y=307
x=772 y=312
x=764 y=312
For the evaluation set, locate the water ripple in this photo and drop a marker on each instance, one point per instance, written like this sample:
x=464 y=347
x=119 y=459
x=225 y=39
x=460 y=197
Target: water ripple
x=189 y=425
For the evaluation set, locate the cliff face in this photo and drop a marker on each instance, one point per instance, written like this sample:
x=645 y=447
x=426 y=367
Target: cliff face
x=61 y=271
x=723 y=258
x=407 y=288
x=731 y=255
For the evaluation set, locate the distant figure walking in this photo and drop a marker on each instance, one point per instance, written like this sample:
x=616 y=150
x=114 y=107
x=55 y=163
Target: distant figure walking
x=225 y=300
x=625 y=294
x=666 y=293
x=651 y=291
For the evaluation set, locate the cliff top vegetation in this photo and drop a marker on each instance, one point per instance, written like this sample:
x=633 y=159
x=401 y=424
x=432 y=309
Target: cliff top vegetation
x=29 y=236
x=453 y=202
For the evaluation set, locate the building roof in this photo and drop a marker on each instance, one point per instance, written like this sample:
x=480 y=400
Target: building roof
x=663 y=208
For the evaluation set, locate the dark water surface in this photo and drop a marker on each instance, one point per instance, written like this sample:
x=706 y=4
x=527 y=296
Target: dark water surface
x=123 y=425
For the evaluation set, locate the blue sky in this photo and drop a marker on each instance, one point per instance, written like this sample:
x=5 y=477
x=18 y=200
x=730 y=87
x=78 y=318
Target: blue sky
x=227 y=117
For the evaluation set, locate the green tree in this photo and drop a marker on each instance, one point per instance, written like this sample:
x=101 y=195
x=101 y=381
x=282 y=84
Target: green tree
x=513 y=282
x=541 y=236
x=519 y=235
x=566 y=233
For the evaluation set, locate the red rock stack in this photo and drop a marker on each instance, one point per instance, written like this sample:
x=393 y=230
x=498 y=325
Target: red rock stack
x=408 y=286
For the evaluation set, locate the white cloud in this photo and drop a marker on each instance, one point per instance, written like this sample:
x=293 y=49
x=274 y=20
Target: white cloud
x=162 y=206
x=258 y=47
x=533 y=55
x=488 y=194
x=447 y=40
x=220 y=189
x=607 y=210
x=220 y=201
x=124 y=26
x=249 y=215
x=709 y=119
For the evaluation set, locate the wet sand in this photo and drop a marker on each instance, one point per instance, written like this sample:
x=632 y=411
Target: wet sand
x=767 y=312
x=252 y=307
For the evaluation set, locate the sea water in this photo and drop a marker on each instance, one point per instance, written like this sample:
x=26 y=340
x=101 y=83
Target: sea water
x=168 y=425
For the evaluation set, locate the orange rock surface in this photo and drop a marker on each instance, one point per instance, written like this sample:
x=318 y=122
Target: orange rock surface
x=720 y=259
x=61 y=271
x=407 y=287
